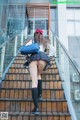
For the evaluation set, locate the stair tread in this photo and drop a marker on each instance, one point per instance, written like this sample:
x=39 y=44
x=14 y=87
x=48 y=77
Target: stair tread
x=31 y=80
x=26 y=67
x=41 y=113
x=30 y=99
x=29 y=73
x=23 y=61
x=30 y=89
x=20 y=55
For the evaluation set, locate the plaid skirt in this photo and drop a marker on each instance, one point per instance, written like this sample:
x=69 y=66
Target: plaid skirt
x=39 y=56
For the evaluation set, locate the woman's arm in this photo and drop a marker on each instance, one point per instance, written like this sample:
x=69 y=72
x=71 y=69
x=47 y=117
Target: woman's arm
x=29 y=42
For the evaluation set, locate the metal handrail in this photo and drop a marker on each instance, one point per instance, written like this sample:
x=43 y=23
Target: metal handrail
x=8 y=53
x=9 y=39
x=69 y=74
x=67 y=53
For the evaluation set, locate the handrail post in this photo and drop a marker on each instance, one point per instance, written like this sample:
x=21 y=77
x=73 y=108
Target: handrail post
x=15 y=45
x=51 y=38
x=2 y=60
x=55 y=45
x=25 y=32
x=62 y=63
x=22 y=38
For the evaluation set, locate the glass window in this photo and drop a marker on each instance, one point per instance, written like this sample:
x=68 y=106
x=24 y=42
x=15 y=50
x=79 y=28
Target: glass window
x=70 y=14
x=52 y=14
x=77 y=14
x=30 y=27
x=70 y=28
x=53 y=26
x=77 y=27
x=73 y=17
x=40 y=24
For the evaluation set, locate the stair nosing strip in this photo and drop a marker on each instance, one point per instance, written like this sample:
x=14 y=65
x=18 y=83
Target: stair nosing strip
x=28 y=89
x=31 y=80
x=29 y=73
x=31 y=100
x=41 y=114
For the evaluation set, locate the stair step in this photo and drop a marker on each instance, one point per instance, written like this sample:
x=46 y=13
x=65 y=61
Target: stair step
x=29 y=73
x=41 y=116
x=46 y=84
x=30 y=100
x=21 y=65
x=26 y=76
x=16 y=66
x=27 y=105
x=26 y=93
x=24 y=70
x=24 y=60
x=43 y=74
x=23 y=57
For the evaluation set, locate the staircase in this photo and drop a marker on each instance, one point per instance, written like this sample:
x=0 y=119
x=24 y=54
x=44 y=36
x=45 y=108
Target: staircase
x=16 y=98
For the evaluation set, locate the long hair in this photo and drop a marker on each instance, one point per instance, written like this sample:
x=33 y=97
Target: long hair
x=39 y=38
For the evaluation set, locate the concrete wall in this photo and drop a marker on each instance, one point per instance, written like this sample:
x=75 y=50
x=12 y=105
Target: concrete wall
x=62 y=24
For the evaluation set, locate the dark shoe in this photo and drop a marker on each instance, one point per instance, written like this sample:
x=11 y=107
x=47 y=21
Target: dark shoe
x=35 y=111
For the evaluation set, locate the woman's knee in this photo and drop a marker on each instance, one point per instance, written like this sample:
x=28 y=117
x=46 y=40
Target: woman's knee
x=39 y=76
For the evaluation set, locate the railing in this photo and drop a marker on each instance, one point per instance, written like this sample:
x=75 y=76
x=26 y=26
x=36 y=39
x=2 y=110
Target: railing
x=12 y=21
x=9 y=49
x=70 y=76
x=12 y=18
x=3 y=36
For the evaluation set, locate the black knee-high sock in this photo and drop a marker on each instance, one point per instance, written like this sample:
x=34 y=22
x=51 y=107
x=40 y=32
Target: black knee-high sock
x=39 y=87
x=35 y=97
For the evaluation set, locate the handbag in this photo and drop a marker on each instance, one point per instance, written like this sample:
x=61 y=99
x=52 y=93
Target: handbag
x=29 y=49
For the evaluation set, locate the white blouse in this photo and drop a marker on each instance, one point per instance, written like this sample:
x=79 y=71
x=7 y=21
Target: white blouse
x=41 y=48
x=52 y=50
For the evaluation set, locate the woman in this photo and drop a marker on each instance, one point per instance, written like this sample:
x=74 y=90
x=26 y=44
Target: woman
x=37 y=63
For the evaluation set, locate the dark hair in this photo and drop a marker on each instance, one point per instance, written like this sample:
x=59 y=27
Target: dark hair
x=39 y=38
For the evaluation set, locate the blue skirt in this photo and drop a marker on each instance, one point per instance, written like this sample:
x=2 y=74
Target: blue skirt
x=39 y=56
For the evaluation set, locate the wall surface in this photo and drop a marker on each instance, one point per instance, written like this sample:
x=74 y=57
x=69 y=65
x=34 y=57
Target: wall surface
x=74 y=48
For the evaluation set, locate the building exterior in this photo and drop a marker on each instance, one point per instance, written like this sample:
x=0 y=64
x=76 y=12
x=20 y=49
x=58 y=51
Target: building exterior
x=67 y=34
x=63 y=20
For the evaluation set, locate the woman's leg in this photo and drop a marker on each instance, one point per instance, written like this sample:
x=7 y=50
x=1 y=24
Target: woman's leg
x=39 y=87
x=33 y=73
x=41 y=65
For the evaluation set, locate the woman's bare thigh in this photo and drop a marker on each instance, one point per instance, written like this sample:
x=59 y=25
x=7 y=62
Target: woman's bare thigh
x=41 y=65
